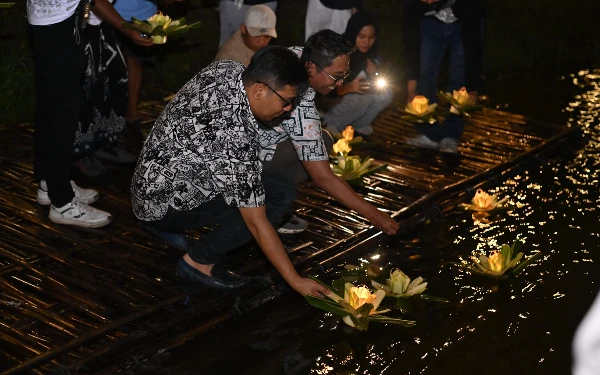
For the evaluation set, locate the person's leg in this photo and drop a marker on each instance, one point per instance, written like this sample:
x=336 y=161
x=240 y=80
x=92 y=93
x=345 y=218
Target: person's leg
x=457 y=58
x=93 y=92
x=377 y=101
x=111 y=101
x=433 y=46
x=230 y=231
x=453 y=127
x=59 y=63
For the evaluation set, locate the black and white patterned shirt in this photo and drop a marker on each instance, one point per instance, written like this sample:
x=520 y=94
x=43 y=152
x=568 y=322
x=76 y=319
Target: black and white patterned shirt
x=303 y=128
x=204 y=144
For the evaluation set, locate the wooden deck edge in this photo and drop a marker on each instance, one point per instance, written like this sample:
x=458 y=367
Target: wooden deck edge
x=408 y=217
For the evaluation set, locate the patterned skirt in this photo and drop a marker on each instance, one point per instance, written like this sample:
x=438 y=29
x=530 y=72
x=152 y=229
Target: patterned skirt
x=102 y=116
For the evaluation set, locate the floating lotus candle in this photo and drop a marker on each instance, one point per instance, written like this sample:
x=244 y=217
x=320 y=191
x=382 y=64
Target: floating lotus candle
x=460 y=102
x=400 y=285
x=499 y=262
x=420 y=111
x=357 y=297
x=483 y=201
x=353 y=168
x=358 y=307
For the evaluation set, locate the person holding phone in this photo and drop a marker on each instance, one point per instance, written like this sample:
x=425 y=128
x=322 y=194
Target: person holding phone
x=359 y=100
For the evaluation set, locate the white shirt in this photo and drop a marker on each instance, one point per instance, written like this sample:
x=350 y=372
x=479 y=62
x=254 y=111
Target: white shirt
x=50 y=12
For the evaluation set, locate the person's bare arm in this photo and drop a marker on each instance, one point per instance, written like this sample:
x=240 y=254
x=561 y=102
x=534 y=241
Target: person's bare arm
x=105 y=10
x=321 y=174
x=268 y=240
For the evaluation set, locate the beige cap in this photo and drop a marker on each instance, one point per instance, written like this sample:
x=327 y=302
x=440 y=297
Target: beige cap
x=260 y=20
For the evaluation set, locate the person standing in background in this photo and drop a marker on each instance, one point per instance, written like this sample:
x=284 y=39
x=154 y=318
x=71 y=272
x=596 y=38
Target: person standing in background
x=56 y=28
x=232 y=12
x=136 y=55
x=255 y=33
x=102 y=117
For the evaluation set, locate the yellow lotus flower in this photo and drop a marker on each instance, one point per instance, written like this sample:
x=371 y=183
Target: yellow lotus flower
x=348 y=133
x=399 y=285
x=160 y=20
x=483 y=201
x=495 y=261
x=420 y=106
x=461 y=96
x=499 y=261
x=341 y=147
x=358 y=296
x=351 y=167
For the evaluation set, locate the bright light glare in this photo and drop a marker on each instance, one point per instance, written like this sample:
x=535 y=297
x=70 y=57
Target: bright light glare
x=381 y=83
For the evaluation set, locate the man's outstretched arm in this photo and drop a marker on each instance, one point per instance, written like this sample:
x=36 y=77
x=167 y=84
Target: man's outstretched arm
x=268 y=240
x=321 y=174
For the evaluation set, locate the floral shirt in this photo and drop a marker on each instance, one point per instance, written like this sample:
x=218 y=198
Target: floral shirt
x=203 y=145
x=302 y=126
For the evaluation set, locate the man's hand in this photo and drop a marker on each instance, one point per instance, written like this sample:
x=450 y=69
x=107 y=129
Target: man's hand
x=383 y=222
x=137 y=38
x=308 y=287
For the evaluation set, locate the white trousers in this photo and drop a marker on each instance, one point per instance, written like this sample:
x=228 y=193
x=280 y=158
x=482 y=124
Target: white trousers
x=319 y=17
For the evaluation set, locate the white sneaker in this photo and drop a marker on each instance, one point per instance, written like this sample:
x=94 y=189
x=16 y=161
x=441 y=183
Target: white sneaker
x=422 y=141
x=449 y=145
x=79 y=214
x=293 y=225
x=87 y=196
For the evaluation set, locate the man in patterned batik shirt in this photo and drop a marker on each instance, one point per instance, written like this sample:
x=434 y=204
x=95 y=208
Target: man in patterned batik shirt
x=200 y=166
x=296 y=148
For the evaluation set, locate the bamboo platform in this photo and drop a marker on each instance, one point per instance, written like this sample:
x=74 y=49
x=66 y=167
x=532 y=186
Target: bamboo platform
x=80 y=300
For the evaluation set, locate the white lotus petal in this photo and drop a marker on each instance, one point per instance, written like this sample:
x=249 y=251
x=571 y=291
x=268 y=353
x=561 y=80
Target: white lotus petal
x=416 y=289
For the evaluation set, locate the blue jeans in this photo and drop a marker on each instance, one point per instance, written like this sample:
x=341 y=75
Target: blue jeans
x=230 y=231
x=436 y=38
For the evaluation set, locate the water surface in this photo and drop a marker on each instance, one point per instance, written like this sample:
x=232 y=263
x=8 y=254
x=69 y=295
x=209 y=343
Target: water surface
x=519 y=326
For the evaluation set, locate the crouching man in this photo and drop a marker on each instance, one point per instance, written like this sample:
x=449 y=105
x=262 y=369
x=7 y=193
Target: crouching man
x=200 y=166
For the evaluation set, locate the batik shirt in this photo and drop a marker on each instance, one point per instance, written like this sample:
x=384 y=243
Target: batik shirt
x=203 y=145
x=302 y=126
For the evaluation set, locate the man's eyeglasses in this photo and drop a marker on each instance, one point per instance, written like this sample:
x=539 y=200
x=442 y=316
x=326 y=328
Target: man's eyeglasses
x=286 y=102
x=340 y=78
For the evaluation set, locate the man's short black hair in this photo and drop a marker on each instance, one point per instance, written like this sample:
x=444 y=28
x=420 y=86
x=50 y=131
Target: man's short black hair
x=324 y=46
x=276 y=67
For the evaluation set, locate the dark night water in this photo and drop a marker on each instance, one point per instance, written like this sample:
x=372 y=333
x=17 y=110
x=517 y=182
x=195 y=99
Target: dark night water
x=519 y=326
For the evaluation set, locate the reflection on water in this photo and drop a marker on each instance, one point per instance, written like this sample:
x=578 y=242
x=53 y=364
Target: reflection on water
x=518 y=326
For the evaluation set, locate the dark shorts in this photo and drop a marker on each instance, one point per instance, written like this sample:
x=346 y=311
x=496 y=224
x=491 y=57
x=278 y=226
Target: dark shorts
x=146 y=55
